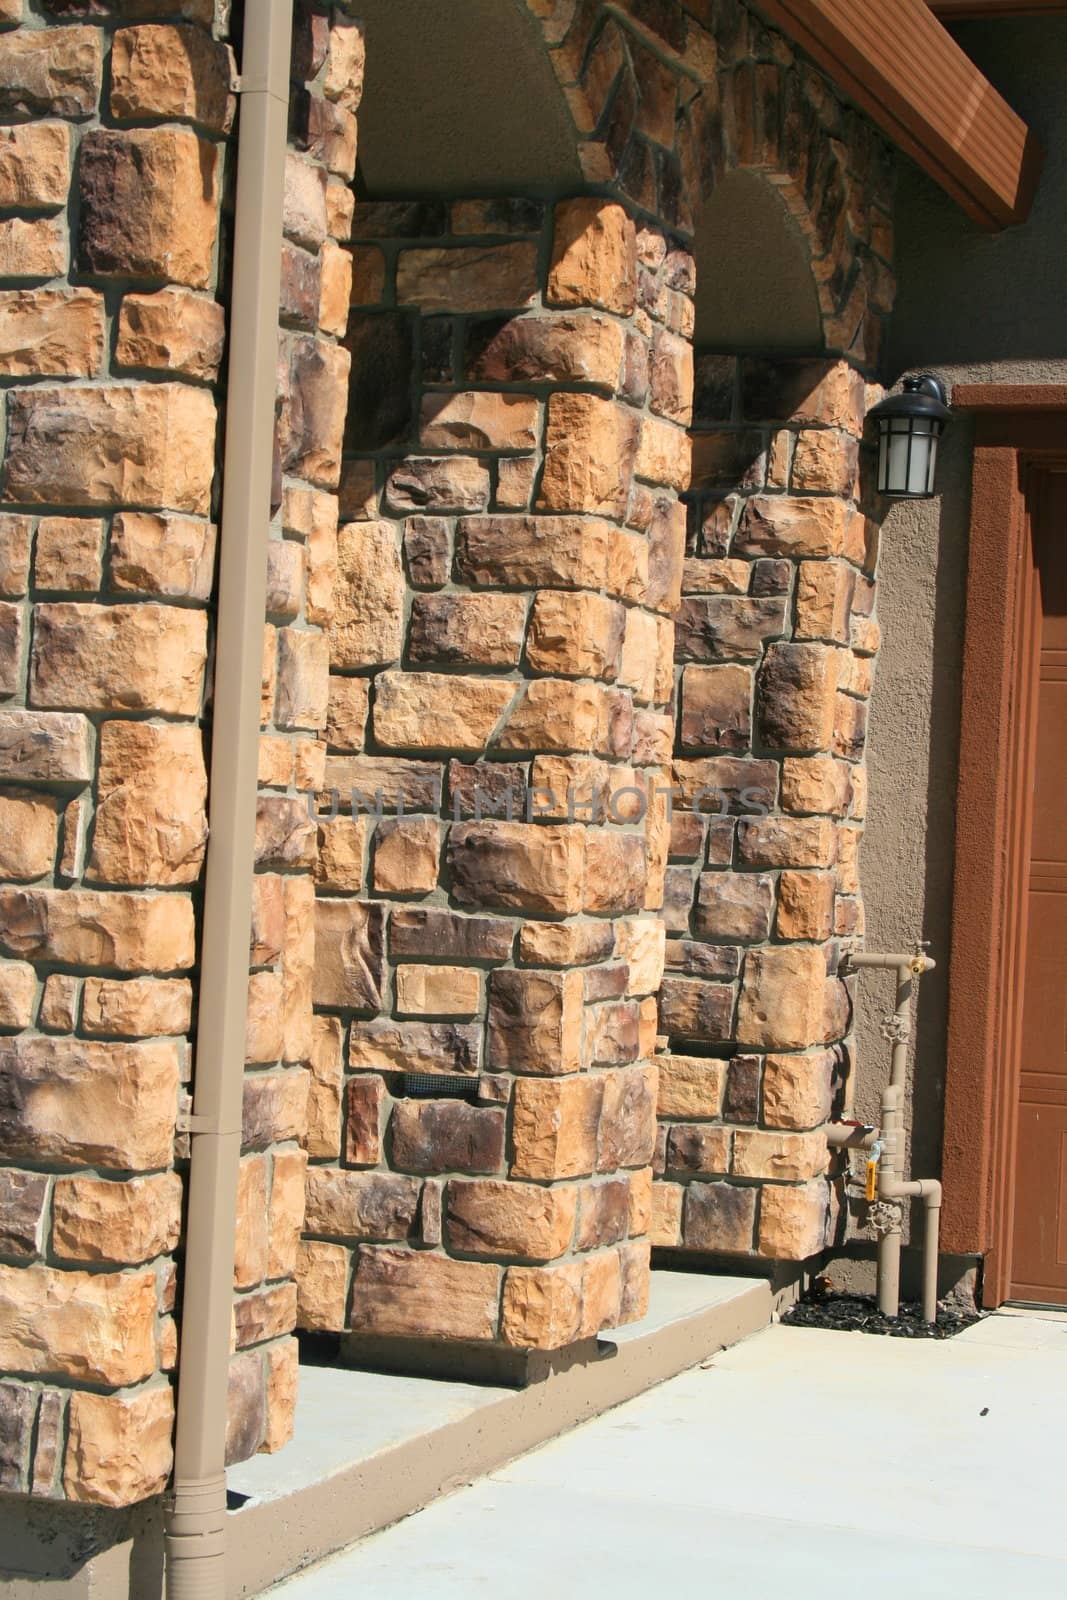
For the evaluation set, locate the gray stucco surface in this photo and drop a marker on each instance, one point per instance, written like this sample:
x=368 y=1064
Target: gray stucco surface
x=974 y=308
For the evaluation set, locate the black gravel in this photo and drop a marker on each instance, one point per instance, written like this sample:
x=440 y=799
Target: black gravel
x=849 y=1313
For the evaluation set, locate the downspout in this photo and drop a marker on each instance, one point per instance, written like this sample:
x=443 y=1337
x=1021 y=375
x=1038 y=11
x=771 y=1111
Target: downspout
x=195 y=1518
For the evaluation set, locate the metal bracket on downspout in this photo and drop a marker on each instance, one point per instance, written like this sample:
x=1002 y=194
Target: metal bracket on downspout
x=195 y=1511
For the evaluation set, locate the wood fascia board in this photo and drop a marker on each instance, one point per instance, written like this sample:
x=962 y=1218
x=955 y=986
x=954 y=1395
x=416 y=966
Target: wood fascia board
x=902 y=67
x=959 y=10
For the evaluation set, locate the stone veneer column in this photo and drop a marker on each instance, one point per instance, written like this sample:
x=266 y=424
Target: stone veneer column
x=775 y=645
x=509 y=561
x=107 y=566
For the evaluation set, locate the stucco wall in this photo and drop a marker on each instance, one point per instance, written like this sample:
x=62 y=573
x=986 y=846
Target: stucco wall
x=972 y=307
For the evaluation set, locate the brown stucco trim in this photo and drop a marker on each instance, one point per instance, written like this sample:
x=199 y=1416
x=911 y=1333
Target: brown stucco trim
x=1014 y=440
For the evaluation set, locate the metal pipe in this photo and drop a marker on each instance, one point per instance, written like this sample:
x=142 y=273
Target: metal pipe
x=892 y=1186
x=195 y=1519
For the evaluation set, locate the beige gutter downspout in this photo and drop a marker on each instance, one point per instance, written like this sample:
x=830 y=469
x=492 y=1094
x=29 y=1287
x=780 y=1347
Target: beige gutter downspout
x=195 y=1521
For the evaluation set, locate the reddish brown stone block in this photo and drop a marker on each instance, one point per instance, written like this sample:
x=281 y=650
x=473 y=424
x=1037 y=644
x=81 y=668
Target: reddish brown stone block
x=535 y=1022
x=149 y=204
x=415 y=1294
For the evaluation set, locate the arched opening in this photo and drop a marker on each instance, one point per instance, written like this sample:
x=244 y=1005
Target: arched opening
x=756 y=292
x=461 y=99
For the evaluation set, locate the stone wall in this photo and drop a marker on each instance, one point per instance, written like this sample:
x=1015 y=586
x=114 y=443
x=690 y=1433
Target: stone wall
x=775 y=645
x=501 y=666
x=115 y=156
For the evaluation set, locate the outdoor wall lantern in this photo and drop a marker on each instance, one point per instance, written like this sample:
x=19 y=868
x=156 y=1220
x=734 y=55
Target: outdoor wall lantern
x=909 y=428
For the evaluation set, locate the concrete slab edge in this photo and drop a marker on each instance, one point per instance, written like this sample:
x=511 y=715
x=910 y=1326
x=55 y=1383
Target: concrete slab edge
x=270 y=1542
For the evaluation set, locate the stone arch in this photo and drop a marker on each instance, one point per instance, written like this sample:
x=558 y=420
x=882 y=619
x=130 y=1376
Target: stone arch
x=665 y=106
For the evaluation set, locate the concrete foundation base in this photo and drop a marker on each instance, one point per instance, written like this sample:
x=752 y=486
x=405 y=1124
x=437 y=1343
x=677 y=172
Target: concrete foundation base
x=371 y=1447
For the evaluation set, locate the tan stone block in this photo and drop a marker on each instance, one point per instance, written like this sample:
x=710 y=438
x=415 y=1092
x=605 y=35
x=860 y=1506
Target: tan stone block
x=716 y=708
x=335 y=287
x=387 y=1046
x=534 y=552
x=847 y=872
x=59 y=1004
x=492 y=1217
x=795 y=698
x=786 y=842
x=479 y=420
x=80 y=927
x=367 y=629
x=425 y=991
x=35 y=165
x=321 y=1286
x=360 y=1205
x=791 y=525
x=805 y=906
x=152 y=444
x=518 y=866
x=342 y=852
x=640 y=1201
x=151 y=818
x=781 y=1004
x=33 y=247
x=163 y=72
x=274 y=762
x=690 y=1086
x=283 y=1374
x=321 y=578
x=555 y=1127
x=18 y=994
x=95 y=1219
x=590 y=445
x=497 y=278
x=162 y=555
x=616 y=871
x=578 y=635
x=825 y=461
x=542 y=1306
x=323 y=1137
x=303 y=679
x=733 y=907
x=119 y=1447
x=16 y=534
x=564 y=944
x=263 y=1026
x=23 y=1200
x=784 y=1157
x=552 y=349
x=701 y=576
x=601 y=1293
x=142 y=658
x=348 y=955
x=816 y=784
x=628 y=1119
x=638 y=668
x=407 y=854
x=535 y=1022
x=347 y=710
x=149 y=204
x=96 y=1327
x=29 y=829
x=137 y=1008
x=314 y=388
x=417 y=1294
x=268 y=920
x=285 y=1213
x=798 y=1090
x=559 y=714
x=171 y=331
x=468 y=629
x=67 y=553
x=343 y=79
x=665 y=1222
x=594 y=256
x=664 y=455
x=251 y=1243
x=793 y=1221
x=285 y=578
x=823 y=601
x=51 y=333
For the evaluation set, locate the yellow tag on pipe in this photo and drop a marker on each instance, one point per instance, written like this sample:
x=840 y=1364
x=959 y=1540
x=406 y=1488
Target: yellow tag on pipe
x=872 y=1180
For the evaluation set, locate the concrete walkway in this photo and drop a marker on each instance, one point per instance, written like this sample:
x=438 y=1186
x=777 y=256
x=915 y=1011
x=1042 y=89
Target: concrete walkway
x=796 y=1462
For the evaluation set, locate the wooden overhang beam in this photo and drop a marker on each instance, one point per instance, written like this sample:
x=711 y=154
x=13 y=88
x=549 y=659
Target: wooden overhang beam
x=900 y=65
x=957 y=10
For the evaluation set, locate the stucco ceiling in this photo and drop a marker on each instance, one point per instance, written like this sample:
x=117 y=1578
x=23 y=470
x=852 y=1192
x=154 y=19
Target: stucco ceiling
x=755 y=288
x=460 y=98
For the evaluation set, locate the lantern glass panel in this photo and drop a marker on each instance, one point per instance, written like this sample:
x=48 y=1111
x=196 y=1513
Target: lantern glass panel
x=908 y=455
